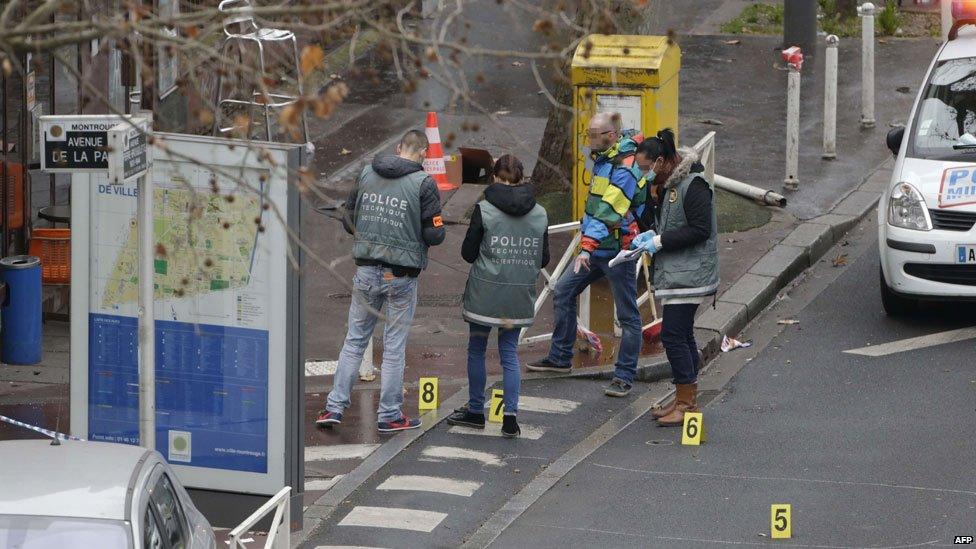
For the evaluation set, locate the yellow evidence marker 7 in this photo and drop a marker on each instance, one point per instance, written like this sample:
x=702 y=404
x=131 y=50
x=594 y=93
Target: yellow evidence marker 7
x=497 y=406
x=428 y=393
x=693 y=430
x=781 y=521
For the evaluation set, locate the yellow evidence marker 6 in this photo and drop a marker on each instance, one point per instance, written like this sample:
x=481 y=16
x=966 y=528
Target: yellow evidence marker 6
x=693 y=430
x=428 y=393
x=781 y=521
x=497 y=406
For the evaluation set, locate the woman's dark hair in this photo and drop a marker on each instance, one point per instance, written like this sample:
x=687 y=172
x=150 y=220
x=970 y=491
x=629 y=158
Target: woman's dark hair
x=509 y=169
x=661 y=145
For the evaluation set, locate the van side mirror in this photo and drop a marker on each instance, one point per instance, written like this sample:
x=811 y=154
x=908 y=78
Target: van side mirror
x=894 y=139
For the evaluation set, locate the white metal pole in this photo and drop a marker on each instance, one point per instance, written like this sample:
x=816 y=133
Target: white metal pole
x=867 y=64
x=830 y=100
x=147 y=332
x=946 y=18
x=792 y=181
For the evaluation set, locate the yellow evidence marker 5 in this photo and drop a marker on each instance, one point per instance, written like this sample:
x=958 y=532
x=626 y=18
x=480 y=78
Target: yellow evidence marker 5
x=428 y=393
x=693 y=430
x=781 y=521
x=497 y=406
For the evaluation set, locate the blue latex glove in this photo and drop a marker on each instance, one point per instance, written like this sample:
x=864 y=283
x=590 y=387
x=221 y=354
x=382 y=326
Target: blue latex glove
x=645 y=241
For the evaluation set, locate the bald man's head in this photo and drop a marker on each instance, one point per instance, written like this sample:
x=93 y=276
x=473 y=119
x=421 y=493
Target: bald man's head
x=604 y=131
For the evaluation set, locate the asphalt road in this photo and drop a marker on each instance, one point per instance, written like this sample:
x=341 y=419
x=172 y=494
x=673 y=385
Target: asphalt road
x=869 y=451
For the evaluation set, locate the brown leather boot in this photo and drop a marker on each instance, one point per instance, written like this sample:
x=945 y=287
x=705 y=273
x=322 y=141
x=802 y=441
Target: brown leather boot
x=685 y=401
x=658 y=412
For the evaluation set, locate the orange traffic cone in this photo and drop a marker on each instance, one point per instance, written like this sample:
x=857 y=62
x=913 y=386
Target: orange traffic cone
x=434 y=163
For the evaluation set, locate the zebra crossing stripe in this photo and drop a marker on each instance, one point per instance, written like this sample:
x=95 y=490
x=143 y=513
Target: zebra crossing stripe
x=440 y=453
x=396 y=518
x=546 y=405
x=440 y=485
x=530 y=432
x=344 y=547
x=321 y=484
x=338 y=452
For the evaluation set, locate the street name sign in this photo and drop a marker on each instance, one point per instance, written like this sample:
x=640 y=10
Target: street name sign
x=130 y=152
x=76 y=143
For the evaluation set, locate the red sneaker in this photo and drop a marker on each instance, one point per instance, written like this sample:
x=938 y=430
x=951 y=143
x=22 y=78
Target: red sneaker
x=328 y=419
x=402 y=424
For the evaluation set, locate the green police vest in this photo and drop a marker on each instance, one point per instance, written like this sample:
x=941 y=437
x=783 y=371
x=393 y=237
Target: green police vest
x=692 y=271
x=501 y=284
x=388 y=227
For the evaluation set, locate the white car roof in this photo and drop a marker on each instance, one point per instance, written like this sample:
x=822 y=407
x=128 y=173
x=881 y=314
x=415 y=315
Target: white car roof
x=963 y=46
x=74 y=479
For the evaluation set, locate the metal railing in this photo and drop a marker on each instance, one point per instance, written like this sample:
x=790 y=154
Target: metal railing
x=279 y=534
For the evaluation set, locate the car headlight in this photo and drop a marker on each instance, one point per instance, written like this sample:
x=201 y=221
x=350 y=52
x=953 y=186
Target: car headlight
x=906 y=209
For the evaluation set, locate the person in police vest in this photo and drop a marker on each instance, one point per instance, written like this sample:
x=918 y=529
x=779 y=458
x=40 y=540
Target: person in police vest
x=394 y=212
x=608 y=225
x=685 y=249
x=508 y=243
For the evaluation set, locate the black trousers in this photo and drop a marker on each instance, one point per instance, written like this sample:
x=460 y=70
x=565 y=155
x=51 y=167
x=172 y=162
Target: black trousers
x=678 y=338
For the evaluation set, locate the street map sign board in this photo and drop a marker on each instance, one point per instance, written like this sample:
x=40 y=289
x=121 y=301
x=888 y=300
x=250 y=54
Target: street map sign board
x=76 y=143
x=130 y=154
x=227 y=307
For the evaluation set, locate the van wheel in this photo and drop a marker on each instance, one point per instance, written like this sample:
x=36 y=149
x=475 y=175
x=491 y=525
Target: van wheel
x=894 y=304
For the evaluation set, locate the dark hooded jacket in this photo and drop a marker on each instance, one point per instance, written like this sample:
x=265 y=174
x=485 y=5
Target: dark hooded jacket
x=517 y=201
x=395 y=167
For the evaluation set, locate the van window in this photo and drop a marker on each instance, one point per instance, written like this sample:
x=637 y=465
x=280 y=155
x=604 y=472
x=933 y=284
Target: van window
x=945 y=123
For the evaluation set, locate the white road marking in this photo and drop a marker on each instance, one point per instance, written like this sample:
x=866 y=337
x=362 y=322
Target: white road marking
x=337 y=452
x=530 y=432
x=395 y=518
x=421 y=483
x=914 y=343
x=546 y=405
x=452 y=452
x=321 y=367
x=321 y=483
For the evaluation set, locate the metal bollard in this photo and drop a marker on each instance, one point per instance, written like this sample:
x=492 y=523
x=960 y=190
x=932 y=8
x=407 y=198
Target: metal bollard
x=866 y=11
x=830 y=100
x=793 y=56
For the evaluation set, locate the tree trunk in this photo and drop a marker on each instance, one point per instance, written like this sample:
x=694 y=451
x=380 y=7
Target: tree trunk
x=554 y=170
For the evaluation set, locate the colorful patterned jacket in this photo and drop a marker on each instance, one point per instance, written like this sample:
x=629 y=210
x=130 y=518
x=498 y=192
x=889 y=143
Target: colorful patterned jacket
x=618 y=194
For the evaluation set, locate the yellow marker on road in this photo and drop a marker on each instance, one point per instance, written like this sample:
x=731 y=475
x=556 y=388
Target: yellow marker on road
x=428 y=393
x=497 y=406
x=693 y=430
x=781 y=523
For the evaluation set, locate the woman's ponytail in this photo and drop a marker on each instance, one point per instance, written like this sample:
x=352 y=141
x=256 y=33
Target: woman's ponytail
x=668 y=149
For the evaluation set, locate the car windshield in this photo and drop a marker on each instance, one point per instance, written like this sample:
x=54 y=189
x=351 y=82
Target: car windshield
x=945 y=126
x=40 y=532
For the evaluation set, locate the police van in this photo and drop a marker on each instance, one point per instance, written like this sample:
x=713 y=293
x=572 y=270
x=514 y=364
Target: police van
x=927 y=216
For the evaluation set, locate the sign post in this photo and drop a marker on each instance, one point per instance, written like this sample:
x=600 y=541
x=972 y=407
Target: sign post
x=129 y=158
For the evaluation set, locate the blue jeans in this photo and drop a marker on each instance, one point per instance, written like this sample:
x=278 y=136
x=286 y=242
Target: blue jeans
x=477 y=373
x=375 y=286
x=623 y=284
x=678 y=338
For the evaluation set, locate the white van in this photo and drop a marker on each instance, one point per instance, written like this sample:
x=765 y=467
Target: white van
x=927 y=216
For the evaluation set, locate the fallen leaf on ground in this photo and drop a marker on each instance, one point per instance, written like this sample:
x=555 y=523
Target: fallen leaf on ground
x=711 y=122
x=788 y=321
x=840 y=261
x=903 y=89
x=516 y=63
x=882 y=41
x=501 y=113
x=345 y=152
x=732 y=42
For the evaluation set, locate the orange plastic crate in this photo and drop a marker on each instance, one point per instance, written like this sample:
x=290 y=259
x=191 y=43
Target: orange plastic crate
x=53 y=246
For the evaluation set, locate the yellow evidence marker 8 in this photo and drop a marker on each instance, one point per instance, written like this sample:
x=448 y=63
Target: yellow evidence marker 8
x=497 y=406
x=428 y=393
x=781 y=521
x=693 y=430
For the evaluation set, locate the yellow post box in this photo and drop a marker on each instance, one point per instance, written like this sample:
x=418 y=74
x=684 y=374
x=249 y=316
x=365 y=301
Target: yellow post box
x=636 y=76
